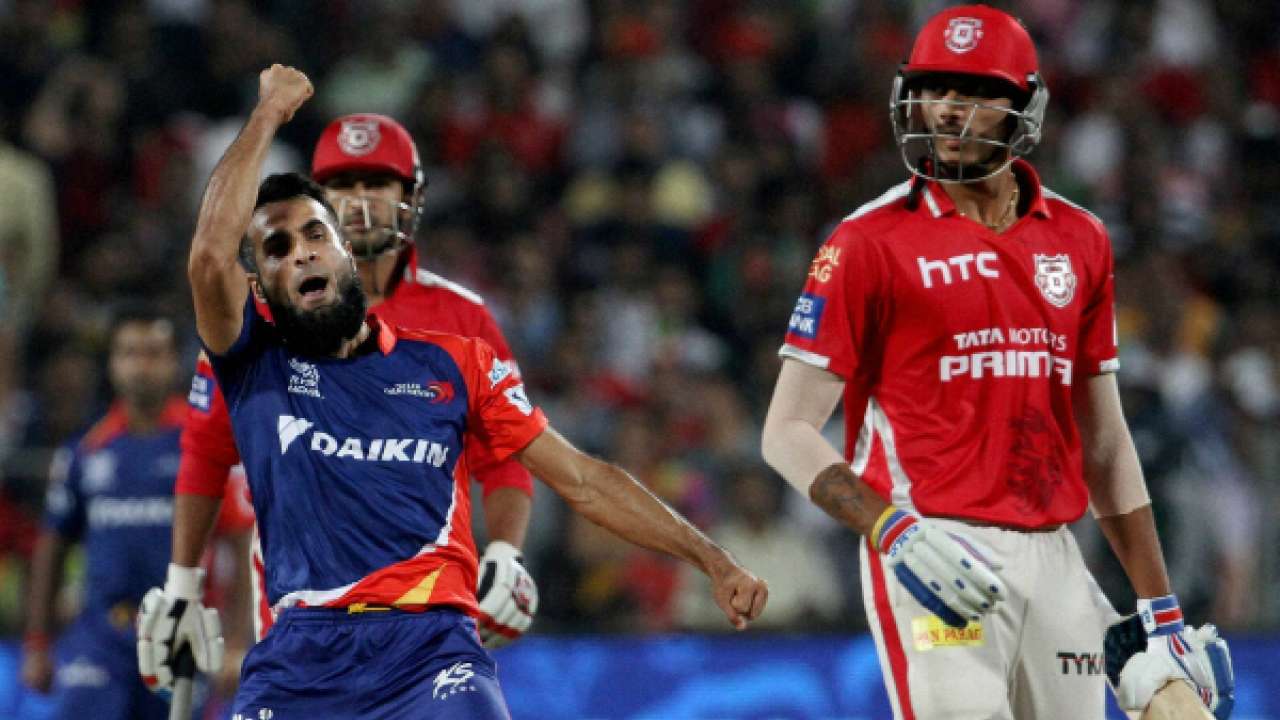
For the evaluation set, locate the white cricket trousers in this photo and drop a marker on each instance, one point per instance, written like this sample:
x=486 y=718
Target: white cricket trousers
x=1038 y=655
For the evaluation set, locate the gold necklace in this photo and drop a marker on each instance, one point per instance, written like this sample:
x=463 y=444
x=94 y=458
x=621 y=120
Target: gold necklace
x=998 y=225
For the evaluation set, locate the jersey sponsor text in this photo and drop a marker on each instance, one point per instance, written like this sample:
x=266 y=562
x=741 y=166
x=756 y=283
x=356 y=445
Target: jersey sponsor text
x=415 y=450
x=983 y=264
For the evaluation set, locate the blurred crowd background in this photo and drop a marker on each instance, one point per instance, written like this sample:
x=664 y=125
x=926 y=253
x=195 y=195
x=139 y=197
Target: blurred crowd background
x=637 y=187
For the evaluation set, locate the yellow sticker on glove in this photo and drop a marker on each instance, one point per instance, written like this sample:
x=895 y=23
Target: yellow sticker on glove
x=930 y=632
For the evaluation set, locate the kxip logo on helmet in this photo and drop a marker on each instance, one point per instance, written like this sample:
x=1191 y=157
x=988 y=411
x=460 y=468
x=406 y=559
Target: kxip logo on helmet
x=962 y=34
x=359 y=137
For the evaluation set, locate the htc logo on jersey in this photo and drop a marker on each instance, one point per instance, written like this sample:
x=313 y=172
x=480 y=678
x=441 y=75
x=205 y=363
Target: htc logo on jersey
x=416 y=450
x=983 y=263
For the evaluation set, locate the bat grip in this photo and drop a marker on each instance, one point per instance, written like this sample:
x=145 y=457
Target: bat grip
x=184 y=672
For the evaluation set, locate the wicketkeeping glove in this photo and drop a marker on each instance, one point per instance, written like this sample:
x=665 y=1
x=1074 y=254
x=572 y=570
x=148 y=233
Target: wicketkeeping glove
x=1147 y=650
x=507 y=595
x=171 y=618
x=950 y=575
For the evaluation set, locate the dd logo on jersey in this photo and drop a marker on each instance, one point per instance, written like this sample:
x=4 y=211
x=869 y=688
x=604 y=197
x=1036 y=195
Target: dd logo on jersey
x=359 y=137
x=963 y=34
x=1055 y=279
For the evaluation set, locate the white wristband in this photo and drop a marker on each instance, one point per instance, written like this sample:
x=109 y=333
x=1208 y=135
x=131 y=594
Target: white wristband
x=184 y=583
x=501 y=550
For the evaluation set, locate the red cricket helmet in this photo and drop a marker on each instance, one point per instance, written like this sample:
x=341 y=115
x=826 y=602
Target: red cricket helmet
x=974 y=40
x=366 y=143
x=371 y=143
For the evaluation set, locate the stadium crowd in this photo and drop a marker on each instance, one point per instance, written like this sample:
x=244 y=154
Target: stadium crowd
x=637 y=189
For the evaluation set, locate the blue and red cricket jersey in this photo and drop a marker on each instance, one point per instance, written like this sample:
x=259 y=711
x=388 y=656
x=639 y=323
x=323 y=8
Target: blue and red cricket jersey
x=112 y=491
x=357 y=466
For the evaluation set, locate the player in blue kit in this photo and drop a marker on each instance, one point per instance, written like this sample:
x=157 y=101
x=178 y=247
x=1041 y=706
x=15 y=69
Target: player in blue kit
x=353 y=433
x=111 y=491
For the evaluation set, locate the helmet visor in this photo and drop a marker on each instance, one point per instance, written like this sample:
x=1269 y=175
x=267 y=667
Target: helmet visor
x=374 y=225
x=967 y=135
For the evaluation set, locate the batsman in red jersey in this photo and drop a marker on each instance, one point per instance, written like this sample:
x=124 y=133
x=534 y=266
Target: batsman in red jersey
x=966 y=319
x=370 y=169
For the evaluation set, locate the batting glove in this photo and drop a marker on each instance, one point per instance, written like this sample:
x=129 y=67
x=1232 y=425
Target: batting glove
x=949 y=574
x=171 y=618
x=507 y=594
x=1146 y=651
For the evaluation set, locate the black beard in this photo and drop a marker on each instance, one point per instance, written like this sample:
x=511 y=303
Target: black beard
x=322 y=331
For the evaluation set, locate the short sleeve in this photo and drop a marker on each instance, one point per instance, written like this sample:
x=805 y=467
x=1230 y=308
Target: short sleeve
x=208 y=445
x=502 y=418
x=487 y=329
x=834 y=317
x=493 y=475
x=1097 y=352
x=64 y=502
x=232 y=365
x=235 y=515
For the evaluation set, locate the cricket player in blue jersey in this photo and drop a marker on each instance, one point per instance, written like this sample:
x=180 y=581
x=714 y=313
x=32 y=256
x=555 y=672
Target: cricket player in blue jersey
x=110 y=490
x=353 y=435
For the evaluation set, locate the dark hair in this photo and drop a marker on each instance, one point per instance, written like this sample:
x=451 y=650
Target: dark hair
x=283 y=186
x=136 y=311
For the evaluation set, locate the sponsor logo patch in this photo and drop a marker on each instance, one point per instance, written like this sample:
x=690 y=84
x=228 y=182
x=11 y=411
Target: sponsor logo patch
x=414 y=450
x=201 y=394
x=515 y=395
x=806 y=316
x=1085 y=663
x=436 y=391
x=929 y=633
x=825 y=264
x=498 y=372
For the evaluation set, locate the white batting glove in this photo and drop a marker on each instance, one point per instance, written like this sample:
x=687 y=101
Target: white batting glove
x=950 y=575
x=507 y=594
x=171 y=618
x=1152 y=648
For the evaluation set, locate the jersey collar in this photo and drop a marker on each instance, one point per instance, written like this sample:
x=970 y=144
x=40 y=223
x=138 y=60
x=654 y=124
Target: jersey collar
x=386 y=336
x=409 y=275
x=939 y=203
x=116 y=422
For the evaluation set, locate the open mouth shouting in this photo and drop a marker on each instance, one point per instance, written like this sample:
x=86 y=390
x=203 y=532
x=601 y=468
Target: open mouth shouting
x=313 y=290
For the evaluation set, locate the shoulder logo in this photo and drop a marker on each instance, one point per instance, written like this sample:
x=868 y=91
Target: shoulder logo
x=290 y=428
x=99 y=471
x=515 y=395
x=201 y=395
x=498 y=372
x=825 y=263
x=1054 y=277
x=962 y=34
x=359 y=137
x=305 y=379
x=806 y=316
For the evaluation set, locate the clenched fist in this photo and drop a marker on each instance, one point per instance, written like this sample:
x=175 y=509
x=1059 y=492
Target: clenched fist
x=739 y=594
x=283 y=90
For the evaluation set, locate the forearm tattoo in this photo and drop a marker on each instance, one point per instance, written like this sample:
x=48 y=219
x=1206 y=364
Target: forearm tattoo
x=839 y=492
